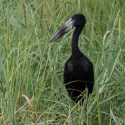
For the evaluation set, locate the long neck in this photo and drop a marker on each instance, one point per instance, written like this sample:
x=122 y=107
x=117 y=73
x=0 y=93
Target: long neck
x=76 y=33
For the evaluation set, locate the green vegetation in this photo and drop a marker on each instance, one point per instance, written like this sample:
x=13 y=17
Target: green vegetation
x=31 y=68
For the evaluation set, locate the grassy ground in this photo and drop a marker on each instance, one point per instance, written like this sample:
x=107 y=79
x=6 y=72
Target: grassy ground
x=31 y=68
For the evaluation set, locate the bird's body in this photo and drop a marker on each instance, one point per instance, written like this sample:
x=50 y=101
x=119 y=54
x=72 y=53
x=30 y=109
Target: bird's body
x=78 y=71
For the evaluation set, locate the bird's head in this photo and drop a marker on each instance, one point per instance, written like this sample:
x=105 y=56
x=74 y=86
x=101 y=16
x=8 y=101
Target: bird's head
x=75 y=21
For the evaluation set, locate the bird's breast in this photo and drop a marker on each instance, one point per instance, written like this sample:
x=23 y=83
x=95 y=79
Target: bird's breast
x=77 y=67
x=74 y=67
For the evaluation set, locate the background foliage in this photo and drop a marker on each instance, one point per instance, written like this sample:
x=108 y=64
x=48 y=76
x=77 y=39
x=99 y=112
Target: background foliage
x=31 y=68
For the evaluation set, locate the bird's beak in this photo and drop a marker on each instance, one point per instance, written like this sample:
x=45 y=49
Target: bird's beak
x=64 y=29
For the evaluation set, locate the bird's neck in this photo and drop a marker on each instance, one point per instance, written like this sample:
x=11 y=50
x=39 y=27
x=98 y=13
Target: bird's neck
x=75 y=38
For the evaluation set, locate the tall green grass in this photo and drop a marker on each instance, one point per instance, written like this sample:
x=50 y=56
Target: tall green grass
x=31 y=68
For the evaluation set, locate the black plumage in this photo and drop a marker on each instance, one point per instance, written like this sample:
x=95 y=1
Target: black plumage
x=78 y=71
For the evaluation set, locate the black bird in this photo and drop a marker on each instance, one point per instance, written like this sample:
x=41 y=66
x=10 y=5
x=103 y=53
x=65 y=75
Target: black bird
x=78 y=71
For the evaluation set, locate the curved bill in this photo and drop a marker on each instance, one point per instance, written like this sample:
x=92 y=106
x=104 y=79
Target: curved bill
x=64 y=29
